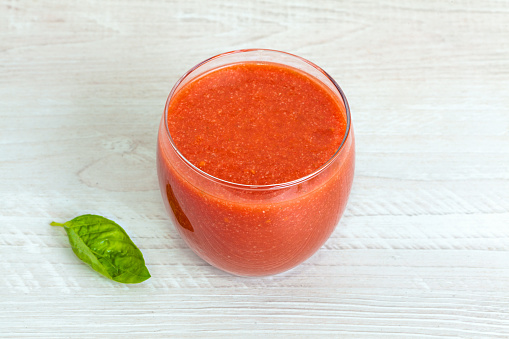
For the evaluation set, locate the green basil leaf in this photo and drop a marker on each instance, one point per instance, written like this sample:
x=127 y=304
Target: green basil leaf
x=106 y=247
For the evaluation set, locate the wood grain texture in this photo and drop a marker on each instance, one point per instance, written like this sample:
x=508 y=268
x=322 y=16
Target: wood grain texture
x=422 y=250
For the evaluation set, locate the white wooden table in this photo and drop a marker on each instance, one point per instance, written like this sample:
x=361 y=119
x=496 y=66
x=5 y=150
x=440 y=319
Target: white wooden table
x=422 y=250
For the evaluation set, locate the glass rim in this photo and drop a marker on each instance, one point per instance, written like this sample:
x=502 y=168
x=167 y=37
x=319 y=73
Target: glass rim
x=248 y=186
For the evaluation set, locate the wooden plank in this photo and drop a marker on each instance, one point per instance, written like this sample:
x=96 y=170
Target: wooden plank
x=422 y=250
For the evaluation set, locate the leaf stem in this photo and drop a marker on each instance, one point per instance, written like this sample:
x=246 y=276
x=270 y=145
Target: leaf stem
x=56 y=224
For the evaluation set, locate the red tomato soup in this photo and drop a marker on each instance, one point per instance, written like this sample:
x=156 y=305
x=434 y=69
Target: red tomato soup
x=255 y=160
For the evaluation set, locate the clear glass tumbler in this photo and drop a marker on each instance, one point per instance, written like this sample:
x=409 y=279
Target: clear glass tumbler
x=255 y=230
